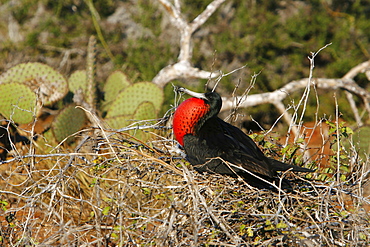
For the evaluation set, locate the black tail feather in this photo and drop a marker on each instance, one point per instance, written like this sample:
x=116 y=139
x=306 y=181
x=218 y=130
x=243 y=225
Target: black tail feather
x=280 y=166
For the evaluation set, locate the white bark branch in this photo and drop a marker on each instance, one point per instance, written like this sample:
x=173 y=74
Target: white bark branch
x=276 y=97
x=183 y=67
x=361 y=68
x=203 y=17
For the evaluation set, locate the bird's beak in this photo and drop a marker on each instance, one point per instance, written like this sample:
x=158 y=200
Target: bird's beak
x=191 y=93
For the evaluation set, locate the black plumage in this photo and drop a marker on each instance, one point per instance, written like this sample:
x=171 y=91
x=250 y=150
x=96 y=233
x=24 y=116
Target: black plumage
x=214 y=145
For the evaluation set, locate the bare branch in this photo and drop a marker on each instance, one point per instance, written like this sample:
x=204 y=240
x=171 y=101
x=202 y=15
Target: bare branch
x=361 y=68
x=203 y=17
x=353 y=106
x=183 y=68
x=293 y=86
x=174 y=14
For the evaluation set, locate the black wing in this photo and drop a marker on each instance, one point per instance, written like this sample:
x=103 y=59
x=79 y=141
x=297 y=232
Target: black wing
x=246 y=143
x=217 y=138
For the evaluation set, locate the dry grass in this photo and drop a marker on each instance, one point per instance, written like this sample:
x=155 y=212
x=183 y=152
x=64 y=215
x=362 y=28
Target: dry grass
x=117 y=191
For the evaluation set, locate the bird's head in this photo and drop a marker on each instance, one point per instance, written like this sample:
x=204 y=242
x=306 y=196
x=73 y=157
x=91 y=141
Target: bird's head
x=191 y=114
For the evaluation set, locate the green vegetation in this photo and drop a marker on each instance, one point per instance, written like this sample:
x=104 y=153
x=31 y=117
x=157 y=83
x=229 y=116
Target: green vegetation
x=125 y=103
x=274 y=37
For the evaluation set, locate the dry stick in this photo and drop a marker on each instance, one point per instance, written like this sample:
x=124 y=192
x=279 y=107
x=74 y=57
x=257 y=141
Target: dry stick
x=304 y=101
x=32 y=132
x=150 y=157
x=353 y=106
x=338 y=137
x=172 y=216
x=96 y=154
x=300 y=123
x=53 y=155
x=280 y=190
x=212 y=69
x=293 y=86
x=10 y=122
x=312 y=66
x=222 y=75
x=286 y=116
x=361 y=68
x=98 y=213
x=159 y=161
x=367 y=104
x=354 y=88
x=305 y=144
x=310 y=217
x=332 y=188
x=79 y=146
x=244 y=96
x=186 y=30
x=119 y=131
x=195 y=189
x=283 y=111
x=97 y=121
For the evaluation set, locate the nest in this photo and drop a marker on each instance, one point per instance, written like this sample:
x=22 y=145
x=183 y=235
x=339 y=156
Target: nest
x=114 y=190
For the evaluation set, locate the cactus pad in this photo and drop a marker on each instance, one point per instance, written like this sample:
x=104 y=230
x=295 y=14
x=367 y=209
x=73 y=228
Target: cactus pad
x=118 y=122
x=130 y=98
x=78 y=80
x=116 y=82
x=17 y=102
x=69 y=121
x=48 y=141
x=50 y=85
x=145 y=111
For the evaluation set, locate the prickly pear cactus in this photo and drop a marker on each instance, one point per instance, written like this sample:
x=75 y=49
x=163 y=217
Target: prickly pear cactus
x=69 y=121
x=17 y=102
x=118 y=122
x=116 y=82
x=130 y=98
x=90 y=95
x=47 y=142
x=145 y=111
x=49 y=84
x=78 y=80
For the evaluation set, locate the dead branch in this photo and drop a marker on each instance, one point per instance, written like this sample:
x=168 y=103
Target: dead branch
x=183 y=67
x=276 y=97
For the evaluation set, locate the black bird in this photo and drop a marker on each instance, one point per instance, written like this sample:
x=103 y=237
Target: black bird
x=213 y=145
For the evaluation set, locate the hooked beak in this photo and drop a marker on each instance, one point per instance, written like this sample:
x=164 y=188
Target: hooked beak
x=191 y=93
